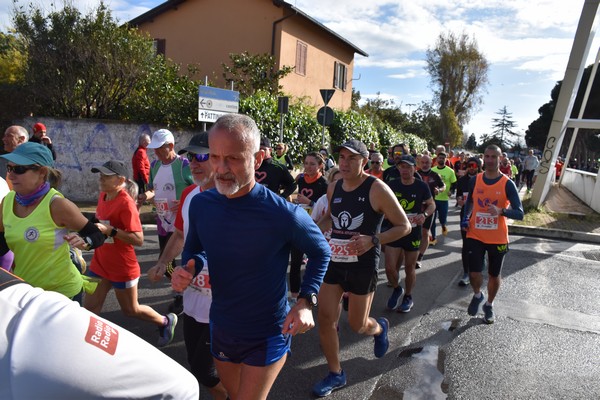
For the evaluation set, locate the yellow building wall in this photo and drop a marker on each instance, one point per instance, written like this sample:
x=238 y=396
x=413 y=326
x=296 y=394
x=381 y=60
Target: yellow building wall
x=205 y=32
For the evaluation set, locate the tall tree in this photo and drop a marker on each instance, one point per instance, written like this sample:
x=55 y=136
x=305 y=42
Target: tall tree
x=471 y=142
x=458 y=74
x=503 y=128
x=80 y=65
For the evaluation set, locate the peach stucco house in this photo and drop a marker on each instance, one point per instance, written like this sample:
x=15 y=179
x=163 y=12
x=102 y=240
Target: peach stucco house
x=205 y=32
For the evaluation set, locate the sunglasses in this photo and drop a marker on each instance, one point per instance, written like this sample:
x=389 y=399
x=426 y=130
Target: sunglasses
x=197 y=157
x=375 y=162
x=398 y=153
x=21 y=169
x=472 y=165
x=278 y=148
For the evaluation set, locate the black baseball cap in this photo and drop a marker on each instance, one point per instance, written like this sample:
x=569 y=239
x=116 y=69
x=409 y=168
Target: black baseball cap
x=265 y=142
x=354 y=146
x=198 y=144
x=407 y=160
x=112 y=167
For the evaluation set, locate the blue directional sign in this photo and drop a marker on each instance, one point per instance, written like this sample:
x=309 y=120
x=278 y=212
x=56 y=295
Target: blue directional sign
x=213 y=102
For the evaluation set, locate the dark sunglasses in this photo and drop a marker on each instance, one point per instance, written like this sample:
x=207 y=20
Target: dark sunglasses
x=21 y=169
x=278 y=148
x=197 y=157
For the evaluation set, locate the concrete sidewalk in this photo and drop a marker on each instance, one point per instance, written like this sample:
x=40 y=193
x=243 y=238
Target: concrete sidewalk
x=578 y=222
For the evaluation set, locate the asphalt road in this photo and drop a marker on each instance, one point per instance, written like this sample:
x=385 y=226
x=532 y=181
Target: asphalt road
x=545 y=343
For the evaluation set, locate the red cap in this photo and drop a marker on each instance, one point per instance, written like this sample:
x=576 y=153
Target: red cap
x=39 y=127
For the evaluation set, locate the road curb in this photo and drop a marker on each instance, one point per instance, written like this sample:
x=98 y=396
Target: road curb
x=559 y=234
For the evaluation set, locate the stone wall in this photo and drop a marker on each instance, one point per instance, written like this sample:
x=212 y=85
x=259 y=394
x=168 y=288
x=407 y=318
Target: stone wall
x=81 y=144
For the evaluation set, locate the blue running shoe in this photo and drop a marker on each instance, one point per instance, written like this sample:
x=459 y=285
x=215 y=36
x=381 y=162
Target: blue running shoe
x=488 y=314
x=381 y=341
x=474 y=304
x=329 y=384
x=167 y=332
x=394 y=298
x=407 y=304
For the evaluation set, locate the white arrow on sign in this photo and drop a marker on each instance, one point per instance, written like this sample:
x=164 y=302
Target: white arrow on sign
x=209 y=116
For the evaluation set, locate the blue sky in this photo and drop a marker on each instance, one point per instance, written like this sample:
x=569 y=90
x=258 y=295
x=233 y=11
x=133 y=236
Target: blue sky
x=527 y=43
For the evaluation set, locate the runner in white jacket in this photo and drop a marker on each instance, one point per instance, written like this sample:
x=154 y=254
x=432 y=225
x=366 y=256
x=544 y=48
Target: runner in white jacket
x=51 y=348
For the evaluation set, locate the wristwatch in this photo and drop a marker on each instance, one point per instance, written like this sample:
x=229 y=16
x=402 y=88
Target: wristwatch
x=425 y=214
x=375 y=240
x=311 y=298
x=113 y=233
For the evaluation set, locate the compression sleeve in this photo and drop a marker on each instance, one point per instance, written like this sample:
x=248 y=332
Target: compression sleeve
x=516 y=207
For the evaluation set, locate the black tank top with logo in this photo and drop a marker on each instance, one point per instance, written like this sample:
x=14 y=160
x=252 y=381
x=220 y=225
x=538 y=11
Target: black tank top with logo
x=352 y=214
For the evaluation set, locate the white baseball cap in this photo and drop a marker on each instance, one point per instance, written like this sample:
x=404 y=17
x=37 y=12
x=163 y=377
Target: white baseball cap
x=160 y=137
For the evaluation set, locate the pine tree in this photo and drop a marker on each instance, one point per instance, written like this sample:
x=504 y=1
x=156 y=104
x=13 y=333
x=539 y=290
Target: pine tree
x=503 y=128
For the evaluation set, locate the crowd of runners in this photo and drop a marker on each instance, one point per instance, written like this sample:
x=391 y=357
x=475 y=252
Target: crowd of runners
x=241 y=221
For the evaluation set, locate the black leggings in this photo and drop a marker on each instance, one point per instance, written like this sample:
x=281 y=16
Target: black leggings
x=196 y=336
x=295 y=272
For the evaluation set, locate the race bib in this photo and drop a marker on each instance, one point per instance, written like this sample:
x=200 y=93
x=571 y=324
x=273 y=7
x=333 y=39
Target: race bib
x=201 y=283
x=162 y=206
x=411 y=218
x=486 y=221
x=108 y=239
x=340 y=251
x=164 y=213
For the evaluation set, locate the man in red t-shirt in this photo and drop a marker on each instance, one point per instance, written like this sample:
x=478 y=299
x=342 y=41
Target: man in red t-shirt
x=141 y=164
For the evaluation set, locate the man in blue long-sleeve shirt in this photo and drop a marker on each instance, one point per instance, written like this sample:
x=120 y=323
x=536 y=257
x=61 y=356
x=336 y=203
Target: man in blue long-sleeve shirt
x=246 y=231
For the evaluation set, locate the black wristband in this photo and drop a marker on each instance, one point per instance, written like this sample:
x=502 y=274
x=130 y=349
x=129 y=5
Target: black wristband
x=92 y=235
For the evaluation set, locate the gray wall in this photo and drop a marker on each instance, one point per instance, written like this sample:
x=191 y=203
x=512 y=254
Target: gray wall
x=81 y=144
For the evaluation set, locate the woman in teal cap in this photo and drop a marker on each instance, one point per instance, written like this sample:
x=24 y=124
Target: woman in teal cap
x=36 y=220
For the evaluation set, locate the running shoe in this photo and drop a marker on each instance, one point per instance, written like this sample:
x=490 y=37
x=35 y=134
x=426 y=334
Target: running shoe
x=167 y=332
x=433 y=242
x=407 y=304
x=418 y=265
x=464 y=281
x=381 y=341
x=488 y=314
x=392 y=303
x=78 y=260
x=474 y=304
x=331 y=382
x=444 y=230
x=176 y=307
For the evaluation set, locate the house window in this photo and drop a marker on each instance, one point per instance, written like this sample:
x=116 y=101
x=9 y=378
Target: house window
x=340 y=73
x=159 y=46
x=301 y=49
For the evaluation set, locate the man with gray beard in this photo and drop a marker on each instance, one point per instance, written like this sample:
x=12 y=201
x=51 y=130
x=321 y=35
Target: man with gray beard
x=246 y=232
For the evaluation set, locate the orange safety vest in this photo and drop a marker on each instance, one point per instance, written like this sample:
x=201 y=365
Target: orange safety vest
x=487 y=228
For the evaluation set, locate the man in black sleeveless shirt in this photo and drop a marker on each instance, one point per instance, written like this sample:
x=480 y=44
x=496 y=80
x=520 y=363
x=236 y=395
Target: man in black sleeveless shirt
x=357 y=204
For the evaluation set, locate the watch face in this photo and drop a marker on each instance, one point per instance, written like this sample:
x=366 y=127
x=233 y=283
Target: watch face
x=313 y=299
x=375 y=240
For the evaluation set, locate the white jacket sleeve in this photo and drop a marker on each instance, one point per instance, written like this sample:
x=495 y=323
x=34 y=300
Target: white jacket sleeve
x=52 y=348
